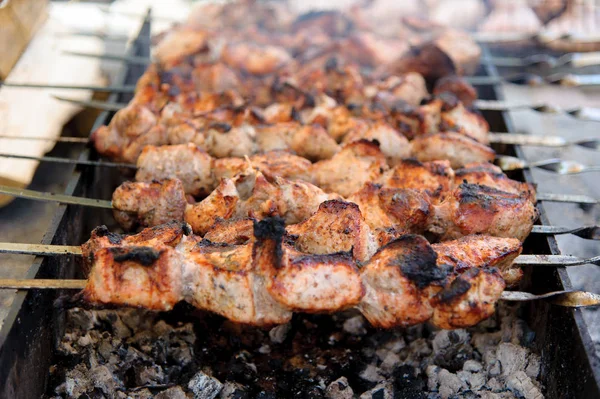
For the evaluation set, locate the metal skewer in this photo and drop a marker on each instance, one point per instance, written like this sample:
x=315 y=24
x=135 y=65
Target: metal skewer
x=130 y=59
x=506 y=163
x=586 y=232
x=554 y=165
x=71 y=161
x=93 y=104
x=541 y=141
x=529 y=79
x=80 y=140
x=119 y=89
x=574 y=60
x=573 y=299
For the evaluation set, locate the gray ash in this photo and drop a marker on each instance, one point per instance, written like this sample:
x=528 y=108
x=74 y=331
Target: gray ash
x=128 y=353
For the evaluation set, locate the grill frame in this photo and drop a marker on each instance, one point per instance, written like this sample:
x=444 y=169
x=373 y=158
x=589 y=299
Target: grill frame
x=34 y=324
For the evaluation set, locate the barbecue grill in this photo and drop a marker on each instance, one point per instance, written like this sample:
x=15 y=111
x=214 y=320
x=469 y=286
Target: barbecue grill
x=36 y=323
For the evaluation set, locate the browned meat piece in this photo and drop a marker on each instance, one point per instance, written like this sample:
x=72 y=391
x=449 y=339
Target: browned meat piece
x=457 y=86
x=136 y=276
x=391 y=212
x=452 y=52
x=399 y=280
x=273 y=163
x=579 y=23
x=225 y=141
x=372 y=51
x=511 y=16
x=149 y=204
x=178 y=44
x=470 y=298
x=185 y=162
x=475 y=209
x=409 y=87
x=415 y=122
x=311 y=142
x=436 y=178
x=482 y=252
x=460 y=150
x=129 y=131
x=487 y=174
x=337 y=226
x=255 y=59
x=220 y=204
x=548 y=9
x=316 y=283
x=348 y=171
x=392 y=143
x=231 y=231
x=456 y=118
x=257 y=196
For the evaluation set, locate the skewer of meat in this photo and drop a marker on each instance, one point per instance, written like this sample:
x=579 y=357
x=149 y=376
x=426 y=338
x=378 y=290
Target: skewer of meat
x=468 y=209
x=406 y=282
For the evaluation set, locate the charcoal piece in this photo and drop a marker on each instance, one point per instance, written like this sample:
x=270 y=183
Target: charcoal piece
x=512 y=358
x=232 y=390
x=204 y=386
x=104 y=380
x=523 y=387
x=172 y=393
x=355 y=325
x=450 y=384
x=76 y=382
x=372 y=373
x=82 y=319
x=339 y=389
x=279 y=334
x=149 y=375
x=451 y=349
x=472 y=366
x=380 y=391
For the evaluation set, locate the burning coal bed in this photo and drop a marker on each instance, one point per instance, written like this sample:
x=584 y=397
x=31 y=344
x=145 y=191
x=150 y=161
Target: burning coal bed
x=129 y=353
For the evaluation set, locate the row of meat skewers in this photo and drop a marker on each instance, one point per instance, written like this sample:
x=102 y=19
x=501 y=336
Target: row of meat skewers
x=290 y=163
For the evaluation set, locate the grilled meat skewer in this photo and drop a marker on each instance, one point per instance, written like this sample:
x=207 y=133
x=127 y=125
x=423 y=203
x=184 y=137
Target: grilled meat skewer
x=406 y=282
x=468 y=209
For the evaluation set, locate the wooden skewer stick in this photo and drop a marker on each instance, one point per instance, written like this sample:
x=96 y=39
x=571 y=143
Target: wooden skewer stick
x=27 y=284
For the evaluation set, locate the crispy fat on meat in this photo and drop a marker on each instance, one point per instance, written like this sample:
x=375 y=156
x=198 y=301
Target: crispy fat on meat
x=434 y=178
x=398 y=280
x=470 y=298
x=149 y=204
x=487 y=174
x=474 y=209
x=185 y=162
x=348 y=171
x=457 y=148
x=482 y=252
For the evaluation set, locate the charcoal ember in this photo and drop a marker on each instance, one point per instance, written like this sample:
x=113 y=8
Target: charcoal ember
x=172 y=393
x=204 y=386
x=81 y=319
x=452 y=348
x=112 y=319
x=138 y=394
x=372 y=373
x=339 y=389
x=76 y=382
